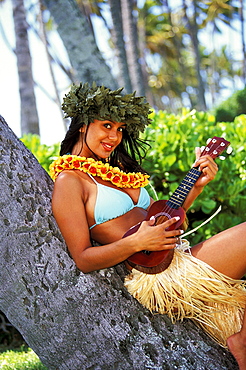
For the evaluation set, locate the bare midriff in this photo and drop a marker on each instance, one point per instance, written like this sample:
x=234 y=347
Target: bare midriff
x=113 y=230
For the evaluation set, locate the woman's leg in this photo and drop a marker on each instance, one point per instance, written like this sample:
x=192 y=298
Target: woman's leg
x=237 y=345
x=226 y=252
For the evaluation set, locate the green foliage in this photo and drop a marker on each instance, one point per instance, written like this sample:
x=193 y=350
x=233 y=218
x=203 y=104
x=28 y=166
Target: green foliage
x=45 y=154
x=21 y=359
x=232 y=107
x=173 y=140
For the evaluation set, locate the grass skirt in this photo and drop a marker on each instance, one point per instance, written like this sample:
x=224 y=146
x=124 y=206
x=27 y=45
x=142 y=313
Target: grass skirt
x=190 y=288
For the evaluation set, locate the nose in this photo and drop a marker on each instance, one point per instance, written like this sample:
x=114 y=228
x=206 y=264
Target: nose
x=113 y=134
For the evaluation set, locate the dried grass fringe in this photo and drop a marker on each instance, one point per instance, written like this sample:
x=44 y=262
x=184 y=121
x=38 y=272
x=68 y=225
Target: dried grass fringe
x=190 y=288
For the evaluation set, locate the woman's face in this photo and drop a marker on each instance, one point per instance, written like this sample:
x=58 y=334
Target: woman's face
x=102 y=137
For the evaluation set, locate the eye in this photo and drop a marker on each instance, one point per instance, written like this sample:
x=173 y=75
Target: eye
x=121 y=128
x=107 y=125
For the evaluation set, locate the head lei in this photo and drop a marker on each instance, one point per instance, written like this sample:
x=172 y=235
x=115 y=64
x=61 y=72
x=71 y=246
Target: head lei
x=99 y=102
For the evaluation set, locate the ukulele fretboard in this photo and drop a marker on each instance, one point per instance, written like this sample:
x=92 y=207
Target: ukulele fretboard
x=182 y=191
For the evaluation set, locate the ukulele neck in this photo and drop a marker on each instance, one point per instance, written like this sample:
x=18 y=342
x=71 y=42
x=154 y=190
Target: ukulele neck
x=180 y=194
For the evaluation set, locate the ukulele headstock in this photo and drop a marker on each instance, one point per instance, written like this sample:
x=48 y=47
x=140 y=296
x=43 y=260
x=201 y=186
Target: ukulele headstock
x=215 y=147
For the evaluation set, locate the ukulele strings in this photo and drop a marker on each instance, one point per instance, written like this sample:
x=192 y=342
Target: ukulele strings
x=193 y=175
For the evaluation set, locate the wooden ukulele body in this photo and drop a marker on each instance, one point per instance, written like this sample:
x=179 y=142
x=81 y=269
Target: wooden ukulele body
x=162 y=212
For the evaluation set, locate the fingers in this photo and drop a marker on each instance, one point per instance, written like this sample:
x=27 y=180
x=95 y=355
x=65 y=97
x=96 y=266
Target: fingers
x=165 y=224
x=170 y=234
x=198 y=152
x=171 y=221
x=207 y=162
x=208 y=166
x=151 y=221
x=157 y=238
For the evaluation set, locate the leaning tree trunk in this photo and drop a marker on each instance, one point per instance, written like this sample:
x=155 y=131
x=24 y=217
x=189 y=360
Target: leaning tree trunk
x=84 y=55
x=70 y=319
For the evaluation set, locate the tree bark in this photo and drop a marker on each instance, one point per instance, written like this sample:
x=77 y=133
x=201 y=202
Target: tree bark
x=84 y=55
x=132 y=49
x=70 y=319
x=119 y=44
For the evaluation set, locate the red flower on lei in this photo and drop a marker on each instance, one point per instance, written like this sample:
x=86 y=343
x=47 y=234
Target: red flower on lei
x=97 y=168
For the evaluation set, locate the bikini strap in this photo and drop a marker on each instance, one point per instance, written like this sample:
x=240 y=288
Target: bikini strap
x=92 y=178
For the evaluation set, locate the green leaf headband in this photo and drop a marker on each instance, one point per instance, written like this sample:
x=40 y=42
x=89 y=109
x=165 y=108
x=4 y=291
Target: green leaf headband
x=99 y=102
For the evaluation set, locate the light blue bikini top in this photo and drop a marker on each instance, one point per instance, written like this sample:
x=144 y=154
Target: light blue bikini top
x=112 y=203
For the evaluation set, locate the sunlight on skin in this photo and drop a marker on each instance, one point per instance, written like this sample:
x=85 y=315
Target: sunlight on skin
x=236 y=345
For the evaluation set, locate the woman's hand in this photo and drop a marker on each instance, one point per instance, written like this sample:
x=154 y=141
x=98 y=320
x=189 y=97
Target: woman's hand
x=209 y=170
x=208 y=167
x=157 y=238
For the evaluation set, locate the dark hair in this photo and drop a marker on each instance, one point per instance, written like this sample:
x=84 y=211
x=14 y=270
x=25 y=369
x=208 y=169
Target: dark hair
x=128 y=155
x=72 y=135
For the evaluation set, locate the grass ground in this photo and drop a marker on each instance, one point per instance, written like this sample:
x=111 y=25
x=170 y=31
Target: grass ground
x=22 y=358
x=14 y=352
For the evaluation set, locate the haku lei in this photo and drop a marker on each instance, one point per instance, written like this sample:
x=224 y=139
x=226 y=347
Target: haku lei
x=97 y=168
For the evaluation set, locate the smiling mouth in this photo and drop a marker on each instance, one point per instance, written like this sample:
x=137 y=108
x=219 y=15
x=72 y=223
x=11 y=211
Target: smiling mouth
x=107 y=147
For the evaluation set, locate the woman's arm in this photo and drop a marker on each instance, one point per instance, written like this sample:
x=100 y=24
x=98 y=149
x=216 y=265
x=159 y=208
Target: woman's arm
x=69 y=211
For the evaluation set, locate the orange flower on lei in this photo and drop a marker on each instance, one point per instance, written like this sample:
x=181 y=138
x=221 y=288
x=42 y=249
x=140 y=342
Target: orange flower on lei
x=97 y=168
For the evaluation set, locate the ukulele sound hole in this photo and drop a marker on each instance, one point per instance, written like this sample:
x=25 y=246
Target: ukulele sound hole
x=162 y=217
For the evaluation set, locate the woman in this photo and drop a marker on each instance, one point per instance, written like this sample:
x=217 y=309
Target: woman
x=94 y=199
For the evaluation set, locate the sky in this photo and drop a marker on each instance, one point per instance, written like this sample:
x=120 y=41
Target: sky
x=52 y=125
x=52 y=129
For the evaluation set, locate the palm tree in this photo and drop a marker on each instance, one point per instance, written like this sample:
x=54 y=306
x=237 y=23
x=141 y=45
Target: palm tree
x=192 y=26
x=44 y=38
x=168 y=72
x=29 y=114
x=79 y=41
x=119 y=45
x=218 y=63
x=131 y=44
x=241 y=11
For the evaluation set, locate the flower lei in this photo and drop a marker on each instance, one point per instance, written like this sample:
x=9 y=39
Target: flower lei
x=97 y=168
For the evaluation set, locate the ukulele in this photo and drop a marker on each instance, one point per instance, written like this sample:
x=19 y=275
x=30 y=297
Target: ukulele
x=163 y=210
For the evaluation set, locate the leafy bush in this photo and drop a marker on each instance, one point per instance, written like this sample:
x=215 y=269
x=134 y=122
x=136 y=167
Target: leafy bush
x=45 y=154
x=234 y=106
x=173 y=140
x=22 y=359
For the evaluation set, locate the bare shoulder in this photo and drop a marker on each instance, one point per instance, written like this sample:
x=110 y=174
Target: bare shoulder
x=70 y=183
x=68 y=190
x=67 y=178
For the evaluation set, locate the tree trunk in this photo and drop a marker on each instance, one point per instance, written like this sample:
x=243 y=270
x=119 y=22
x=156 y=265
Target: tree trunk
x=29 y=114
x=178 y=47
x=70 y=319
x=43 y=36
x=119 y=44
x=193 y=31
x=241 y=15
x=132 y=48
x=84 y=55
